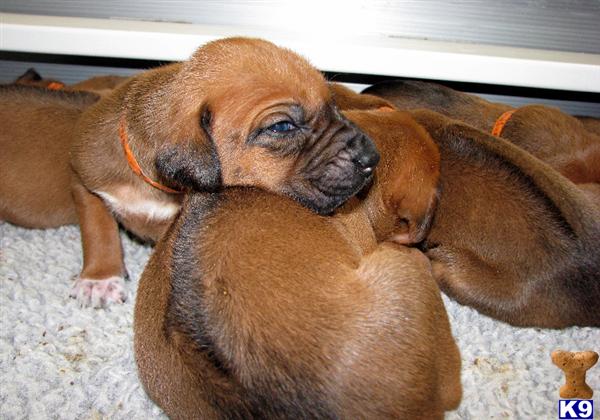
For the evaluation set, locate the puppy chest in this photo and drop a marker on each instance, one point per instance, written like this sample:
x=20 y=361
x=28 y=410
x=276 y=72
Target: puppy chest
x=130 y=204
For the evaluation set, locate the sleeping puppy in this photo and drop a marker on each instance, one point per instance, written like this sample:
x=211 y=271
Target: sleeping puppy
x=568 y=144
x=32 y=78
x=556 y=138
x=511 y=236
x=412 y=94
x=239 y=112
x=38 y=117
x=101 y=85
x=251 y=306
x=34 y=188
x=37 y=128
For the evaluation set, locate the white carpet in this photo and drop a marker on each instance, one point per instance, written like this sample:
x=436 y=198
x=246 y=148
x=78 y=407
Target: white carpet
x=64 y=362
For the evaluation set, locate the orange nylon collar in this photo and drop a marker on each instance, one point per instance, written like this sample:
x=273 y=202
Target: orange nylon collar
x=133 y=164
x=501 y=122
x=55 y=85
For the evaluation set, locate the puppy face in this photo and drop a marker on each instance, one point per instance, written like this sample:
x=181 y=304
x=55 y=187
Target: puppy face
x=260 y=115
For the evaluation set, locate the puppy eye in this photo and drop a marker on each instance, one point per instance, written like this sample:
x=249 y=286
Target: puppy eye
x=282 y=127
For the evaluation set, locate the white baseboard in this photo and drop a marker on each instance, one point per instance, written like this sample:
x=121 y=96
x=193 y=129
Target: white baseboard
x=377 y=54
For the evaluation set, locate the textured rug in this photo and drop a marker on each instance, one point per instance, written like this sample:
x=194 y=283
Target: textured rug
x=60 y=361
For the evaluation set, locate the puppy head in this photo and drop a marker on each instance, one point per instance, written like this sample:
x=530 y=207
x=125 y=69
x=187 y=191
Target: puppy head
x=404 y=195
x=246 y=112
x=32 y=78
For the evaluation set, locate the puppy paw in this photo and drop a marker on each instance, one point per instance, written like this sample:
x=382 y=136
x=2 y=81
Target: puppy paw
x=99 y=293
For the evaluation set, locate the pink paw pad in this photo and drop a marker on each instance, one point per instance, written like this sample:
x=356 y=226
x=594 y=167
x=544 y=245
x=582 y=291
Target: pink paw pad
x=99 y=293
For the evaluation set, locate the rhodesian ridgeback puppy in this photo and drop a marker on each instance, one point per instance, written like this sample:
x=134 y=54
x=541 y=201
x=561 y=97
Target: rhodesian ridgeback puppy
x=101 y=85
x=568 y=144
x=35 y=141
x=32 y=78
x=35 y=187
x=251 y=306
x=239 y=112
x=37 y=128
x=511 y=236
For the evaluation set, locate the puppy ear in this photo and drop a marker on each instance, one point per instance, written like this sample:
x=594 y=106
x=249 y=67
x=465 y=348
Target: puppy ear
x=415 y=210
x=346 y=99
x=29 y=76
x=413 y=188
x=192 y=163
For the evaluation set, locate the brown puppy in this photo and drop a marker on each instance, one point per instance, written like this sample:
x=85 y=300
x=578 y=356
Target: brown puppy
x=511 y=236
x=37 y=128
x=558 y=139
x=239 y=112
x=98 y=84
x=32 y=78
x=35 y=142
x=253 y=307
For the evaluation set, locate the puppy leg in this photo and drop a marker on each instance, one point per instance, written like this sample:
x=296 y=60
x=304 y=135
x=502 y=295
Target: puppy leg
x=101 y=279
x=471 y=281
x=449 y=368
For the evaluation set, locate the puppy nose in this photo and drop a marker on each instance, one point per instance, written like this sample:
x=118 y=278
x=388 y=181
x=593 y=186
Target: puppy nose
x=367 y=161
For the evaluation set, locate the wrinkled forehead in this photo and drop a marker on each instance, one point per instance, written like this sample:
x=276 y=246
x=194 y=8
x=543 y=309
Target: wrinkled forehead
x=251 y=96
x=250 y=71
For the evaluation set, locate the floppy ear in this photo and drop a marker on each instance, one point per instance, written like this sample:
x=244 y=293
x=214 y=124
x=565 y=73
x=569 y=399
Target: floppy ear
x=346 y=99
x=415 y=209
x=192 y=163
x=29 y=76
x=412 y=191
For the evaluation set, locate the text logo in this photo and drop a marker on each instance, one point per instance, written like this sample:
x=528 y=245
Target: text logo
x=575 y=409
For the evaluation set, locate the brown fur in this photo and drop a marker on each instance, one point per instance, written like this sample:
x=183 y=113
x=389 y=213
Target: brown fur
x=591 y=124
x=209 y=122
x=253 y=307
x=35 y=143
x=411 y=195
x=32 y=78
x=558 y=139
x=37 y=128
x=511 y=236
x=101 y=85
x=346 y=98
x=569 y=145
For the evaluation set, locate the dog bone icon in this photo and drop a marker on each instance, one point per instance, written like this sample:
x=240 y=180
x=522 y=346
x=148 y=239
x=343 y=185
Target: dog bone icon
x=575 y=365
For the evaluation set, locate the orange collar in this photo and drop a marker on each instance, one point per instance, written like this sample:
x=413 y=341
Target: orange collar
x=501 y=122
x=133 y=164
x=55 y=85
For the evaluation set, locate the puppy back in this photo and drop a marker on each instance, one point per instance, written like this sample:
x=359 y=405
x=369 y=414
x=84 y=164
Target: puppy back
x=23 y=95
x=270 y=313
x=539 y=232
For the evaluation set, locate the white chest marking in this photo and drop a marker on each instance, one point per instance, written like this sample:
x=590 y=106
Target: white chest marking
x=134 y=205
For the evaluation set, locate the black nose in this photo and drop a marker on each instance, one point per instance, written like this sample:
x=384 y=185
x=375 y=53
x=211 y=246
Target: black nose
x=367 y=159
